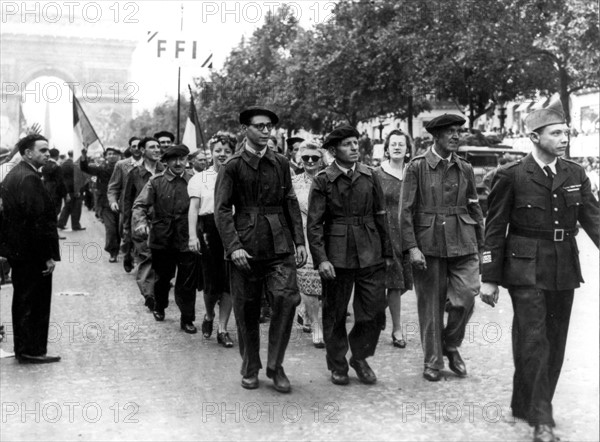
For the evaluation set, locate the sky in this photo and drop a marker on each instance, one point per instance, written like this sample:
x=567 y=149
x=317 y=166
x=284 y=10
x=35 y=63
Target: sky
x=212 y=28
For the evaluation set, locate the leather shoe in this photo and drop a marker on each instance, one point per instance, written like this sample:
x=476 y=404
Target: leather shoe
x=398 y=343
x=280 y=380
x=250 y=382
x=339 y=378
x=207 y=328
x=78 y=228
x=431 y=374
x=363 y=371
x=149 y=303
x=128 y=263
x=28 y=359
x=544 y=433
x=189 y=327
x=113 y=258
x=224 y=339
x=455 y=362
x=159 y=315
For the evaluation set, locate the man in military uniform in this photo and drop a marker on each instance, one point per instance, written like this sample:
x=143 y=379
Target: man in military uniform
x=260 y=240
x=540 y=199
x=442 y=229
x=348 y=238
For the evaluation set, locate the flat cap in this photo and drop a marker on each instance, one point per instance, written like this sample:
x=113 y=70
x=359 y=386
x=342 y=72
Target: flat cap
x=164 y=133
x=338 y=134
x=247 y=114
x=544 y=117
x=444 y=121
x=113 y=149
x=179 y=150
x=293 y=140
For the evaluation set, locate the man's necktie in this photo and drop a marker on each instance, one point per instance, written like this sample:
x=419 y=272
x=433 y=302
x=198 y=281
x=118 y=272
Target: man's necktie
x=549 y=172
x=350 y=173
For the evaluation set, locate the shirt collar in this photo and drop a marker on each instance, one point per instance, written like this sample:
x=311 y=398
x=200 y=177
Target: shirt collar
x=345 y=169
x=540 y=163
x=170 y=176
x=439 y=156
x=333 y=170
x=258 y=153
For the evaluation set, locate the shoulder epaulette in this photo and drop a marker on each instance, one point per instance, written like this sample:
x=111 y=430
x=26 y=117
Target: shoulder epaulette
x=513 y=164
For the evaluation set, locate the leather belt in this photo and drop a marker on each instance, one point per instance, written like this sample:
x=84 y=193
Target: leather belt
x=556 y=235
x=353 y=220
x=262 y=210
x=448 y=210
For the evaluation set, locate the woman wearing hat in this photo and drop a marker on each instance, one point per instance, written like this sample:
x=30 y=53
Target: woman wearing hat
x=398 y=277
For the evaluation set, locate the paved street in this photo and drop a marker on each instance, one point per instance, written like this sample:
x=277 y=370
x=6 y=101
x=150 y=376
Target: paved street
x=125 y=376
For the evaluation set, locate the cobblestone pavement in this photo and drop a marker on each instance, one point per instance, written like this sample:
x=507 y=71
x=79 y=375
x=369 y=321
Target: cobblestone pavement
x=125 y=377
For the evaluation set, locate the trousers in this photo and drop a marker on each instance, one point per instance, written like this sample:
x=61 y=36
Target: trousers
x=165 y=262
x=30 y=307
x=369 y=303
x=539 y=338
x=448 y=284
x=111 y=226
x=277 y=277
x=72 y=209
x=145 y=276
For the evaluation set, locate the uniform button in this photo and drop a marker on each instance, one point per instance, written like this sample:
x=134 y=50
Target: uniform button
x=529 y=206
x=556 y=209
x=555 y=195
x=555 y=222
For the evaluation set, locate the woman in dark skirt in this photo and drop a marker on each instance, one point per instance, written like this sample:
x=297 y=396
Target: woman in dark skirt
x=205 y=239
x=397 y=149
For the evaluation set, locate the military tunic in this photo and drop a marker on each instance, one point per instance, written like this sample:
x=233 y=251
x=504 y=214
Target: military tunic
x=530 y=248
x=440 y=215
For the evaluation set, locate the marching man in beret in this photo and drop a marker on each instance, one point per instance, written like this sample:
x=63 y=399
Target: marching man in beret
x=442 y=230
x=349 y=243
x=540 y=199
x=161 y=211
x=264 y=241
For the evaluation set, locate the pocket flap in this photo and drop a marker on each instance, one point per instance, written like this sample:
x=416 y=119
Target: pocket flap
x=466 y=218
x=336 y=230
x=525 y=248
x=573 y=198
x=424 y=219
x=530 y=202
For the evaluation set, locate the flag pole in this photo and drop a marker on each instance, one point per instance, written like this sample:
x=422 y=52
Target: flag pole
x=179 y=86
x=196 y=112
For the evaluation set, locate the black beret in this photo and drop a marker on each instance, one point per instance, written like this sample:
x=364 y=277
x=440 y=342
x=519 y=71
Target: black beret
x=114 y=149
x=54 y=152
x=247 y=114
x=293 y=140
x=178 y=150
x=338 y=134
x=164 y=133
x=444 y=121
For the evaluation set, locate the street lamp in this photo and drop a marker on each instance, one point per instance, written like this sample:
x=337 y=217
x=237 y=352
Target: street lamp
x=381 y=119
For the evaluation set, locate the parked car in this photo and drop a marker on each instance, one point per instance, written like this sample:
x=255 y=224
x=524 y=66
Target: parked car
x=485 y=160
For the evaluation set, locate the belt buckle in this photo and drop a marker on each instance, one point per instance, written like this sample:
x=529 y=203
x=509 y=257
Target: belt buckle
x=559 y=234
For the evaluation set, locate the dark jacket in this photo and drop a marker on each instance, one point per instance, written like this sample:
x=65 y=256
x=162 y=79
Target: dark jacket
x=28 y=231
x=346 y=219
x=523 y=197
x=52 y=177
x=440 y=212
x=103 y=172
x=167 y=195
x=267 y=220
x=134 y=183
x=117 y=182
x=67 y=169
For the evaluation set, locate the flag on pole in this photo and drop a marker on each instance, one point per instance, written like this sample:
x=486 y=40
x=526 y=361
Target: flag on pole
x=84 y=135
x=192 y=135
x=22 y=122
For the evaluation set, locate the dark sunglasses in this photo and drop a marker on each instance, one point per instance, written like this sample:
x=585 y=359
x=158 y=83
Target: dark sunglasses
x=313 y=158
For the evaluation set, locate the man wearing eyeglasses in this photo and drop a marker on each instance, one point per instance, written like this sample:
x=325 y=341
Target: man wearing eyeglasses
x=264 y=242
